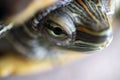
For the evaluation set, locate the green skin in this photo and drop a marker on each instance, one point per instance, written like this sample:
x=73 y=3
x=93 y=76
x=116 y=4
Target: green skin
x=80 y=26
x=66 y=26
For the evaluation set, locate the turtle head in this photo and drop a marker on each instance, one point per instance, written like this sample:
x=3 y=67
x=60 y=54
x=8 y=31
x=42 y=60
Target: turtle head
x=78 y=26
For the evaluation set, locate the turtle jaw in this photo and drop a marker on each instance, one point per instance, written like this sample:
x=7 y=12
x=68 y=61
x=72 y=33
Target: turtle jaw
x=88 y=48
x=81 y=46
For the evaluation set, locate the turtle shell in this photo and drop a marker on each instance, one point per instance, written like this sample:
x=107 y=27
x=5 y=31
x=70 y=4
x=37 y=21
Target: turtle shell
x=22 y=10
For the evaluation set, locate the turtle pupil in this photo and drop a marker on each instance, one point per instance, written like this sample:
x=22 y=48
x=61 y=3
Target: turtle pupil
x=58 y=31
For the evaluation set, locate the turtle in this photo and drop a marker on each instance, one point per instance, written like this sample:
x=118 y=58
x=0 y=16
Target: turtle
x=79 y=25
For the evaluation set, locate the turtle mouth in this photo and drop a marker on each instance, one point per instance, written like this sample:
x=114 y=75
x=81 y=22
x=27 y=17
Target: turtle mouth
x=87 y=47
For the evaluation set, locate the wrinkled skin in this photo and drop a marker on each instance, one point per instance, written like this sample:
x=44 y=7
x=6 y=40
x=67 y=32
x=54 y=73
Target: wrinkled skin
x=33 y=45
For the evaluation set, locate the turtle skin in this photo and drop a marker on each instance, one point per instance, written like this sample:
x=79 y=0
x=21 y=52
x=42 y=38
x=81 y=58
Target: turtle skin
x=25 y=38
x=11 y=62
x=32 y=40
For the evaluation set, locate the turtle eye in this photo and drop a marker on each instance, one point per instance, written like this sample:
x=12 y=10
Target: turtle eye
x=55 y=30
x=58 y=28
